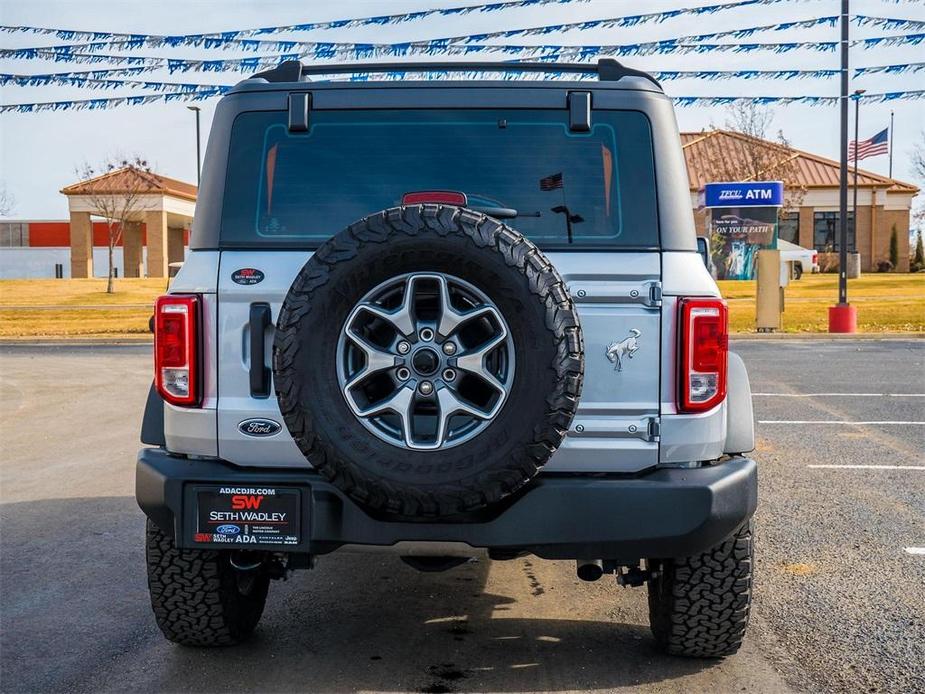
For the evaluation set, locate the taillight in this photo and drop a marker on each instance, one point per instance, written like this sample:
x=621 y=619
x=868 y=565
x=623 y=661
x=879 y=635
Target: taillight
x=444 y=197
x=815 y=258
x=176 y=349
x=704 y=347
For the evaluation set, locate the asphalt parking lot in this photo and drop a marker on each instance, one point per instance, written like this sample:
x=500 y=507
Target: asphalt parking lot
x=839 y=596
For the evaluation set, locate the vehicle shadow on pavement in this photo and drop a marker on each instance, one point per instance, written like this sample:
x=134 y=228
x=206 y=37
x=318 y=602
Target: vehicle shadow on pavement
x=76 y=617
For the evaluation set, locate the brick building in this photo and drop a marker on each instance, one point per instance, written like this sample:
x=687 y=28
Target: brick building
x=812 y=222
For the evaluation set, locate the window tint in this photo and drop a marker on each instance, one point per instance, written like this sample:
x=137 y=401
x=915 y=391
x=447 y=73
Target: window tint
x=578 y=189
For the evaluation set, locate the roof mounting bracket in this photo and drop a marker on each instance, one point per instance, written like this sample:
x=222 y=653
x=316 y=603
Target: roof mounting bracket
x=579 y=112
x=286 y=71
x=300 y=104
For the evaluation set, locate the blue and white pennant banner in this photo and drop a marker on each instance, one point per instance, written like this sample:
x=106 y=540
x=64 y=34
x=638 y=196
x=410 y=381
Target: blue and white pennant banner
x=139 y=100
x=403 y=48
x=66 y=80
x=233 y=40
x=889 y=23
x=53 y=77
x=108 y=79
x=889 y=69
x=139 y=40
x=319 y=51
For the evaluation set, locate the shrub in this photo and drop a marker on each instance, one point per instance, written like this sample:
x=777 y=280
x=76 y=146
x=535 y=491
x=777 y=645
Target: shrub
x=918 y=259
x=894 y=249
x=884 y=266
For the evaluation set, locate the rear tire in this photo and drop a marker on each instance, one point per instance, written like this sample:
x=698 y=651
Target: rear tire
x=198 y=598
x=797 y=271
x=699 y=605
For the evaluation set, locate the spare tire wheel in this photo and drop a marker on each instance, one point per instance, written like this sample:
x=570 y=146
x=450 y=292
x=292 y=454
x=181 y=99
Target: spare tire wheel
x=428 y=360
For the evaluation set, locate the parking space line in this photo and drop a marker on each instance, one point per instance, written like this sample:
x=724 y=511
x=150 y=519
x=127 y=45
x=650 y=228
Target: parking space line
x=839 y=395
x=867 y=467
x=915 y=550
x=833 y=421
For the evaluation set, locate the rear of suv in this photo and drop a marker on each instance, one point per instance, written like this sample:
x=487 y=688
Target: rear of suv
x=447 y=318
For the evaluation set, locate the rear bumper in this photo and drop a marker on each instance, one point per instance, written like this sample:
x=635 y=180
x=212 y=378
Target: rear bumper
x=664 y=513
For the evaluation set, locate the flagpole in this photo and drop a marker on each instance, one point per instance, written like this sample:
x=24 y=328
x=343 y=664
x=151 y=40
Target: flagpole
x=891 y=146
x=854 y=206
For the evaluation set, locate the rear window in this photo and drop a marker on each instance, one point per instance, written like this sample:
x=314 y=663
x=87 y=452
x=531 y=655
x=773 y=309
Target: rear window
x=567 y=189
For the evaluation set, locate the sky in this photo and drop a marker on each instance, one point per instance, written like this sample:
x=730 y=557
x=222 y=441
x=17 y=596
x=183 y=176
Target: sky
x=39 y=152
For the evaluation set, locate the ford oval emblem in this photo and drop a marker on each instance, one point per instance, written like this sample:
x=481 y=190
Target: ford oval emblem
x=259 y=427
x=228 y=530
x=247 y=275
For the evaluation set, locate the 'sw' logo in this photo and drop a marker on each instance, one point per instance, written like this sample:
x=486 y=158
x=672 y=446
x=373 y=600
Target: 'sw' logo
x=242 y=501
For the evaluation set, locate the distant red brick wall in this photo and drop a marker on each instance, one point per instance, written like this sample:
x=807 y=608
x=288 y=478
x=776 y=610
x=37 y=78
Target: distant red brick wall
x=45 y=234
x=58 y=234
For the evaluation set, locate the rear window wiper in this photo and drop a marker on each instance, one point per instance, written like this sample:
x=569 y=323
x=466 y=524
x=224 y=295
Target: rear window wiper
x=504 y=212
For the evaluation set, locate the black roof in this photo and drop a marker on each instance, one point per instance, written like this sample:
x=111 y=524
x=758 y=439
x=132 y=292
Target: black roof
x=606 y=69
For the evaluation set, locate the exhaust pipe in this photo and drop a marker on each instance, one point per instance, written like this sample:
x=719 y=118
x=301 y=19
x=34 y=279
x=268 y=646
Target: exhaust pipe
x=589 y=569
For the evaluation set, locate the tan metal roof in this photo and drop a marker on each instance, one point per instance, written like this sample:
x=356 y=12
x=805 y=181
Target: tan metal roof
x=130 y=179
x=813 y=171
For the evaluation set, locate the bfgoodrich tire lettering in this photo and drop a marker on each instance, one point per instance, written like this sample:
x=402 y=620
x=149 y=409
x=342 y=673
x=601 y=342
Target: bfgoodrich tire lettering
x=699 y=605
x=533 y=300
x=198 y=598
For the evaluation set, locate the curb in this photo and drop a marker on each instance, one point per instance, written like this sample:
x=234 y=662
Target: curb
x=76 y=342
x=826 y=336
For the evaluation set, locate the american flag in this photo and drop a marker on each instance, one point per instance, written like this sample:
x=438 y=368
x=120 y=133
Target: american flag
x=551 y=182
x=878 y=144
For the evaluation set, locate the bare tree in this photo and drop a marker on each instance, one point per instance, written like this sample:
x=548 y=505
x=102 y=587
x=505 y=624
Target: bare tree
x=918 y=170
x=764 y=157
x=918 y=158
x=116 y=196
x=757 y=157
x=7 y=201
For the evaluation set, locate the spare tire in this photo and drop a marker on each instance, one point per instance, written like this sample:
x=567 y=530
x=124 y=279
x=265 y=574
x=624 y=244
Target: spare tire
x=428 y=360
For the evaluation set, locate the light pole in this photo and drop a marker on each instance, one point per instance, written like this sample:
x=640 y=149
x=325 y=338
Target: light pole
x=854 y=207
x=843 y=316
x=198 y=157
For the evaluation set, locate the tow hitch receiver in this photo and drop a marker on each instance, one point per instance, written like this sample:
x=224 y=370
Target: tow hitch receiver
x=634 y=576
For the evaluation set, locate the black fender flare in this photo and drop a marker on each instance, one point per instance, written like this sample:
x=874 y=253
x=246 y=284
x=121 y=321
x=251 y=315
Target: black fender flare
x=152 y=424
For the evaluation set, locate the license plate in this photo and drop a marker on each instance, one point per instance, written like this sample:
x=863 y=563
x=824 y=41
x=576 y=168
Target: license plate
x=247 y=516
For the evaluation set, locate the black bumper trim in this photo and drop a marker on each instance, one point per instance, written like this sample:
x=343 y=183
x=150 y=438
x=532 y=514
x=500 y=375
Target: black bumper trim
x=664 y=513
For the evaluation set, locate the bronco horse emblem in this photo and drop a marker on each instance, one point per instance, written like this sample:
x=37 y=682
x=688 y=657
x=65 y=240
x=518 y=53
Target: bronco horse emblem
x=626 y=347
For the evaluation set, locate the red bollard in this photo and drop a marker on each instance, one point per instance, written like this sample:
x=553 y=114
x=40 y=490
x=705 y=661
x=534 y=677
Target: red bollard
x=843 y=318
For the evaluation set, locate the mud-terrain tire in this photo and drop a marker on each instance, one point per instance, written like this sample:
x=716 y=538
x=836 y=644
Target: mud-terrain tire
x=543 y=323
x=699 y=605
x=198 y=598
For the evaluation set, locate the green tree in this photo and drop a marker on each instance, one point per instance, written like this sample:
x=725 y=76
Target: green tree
x=894 y=248
x=918 y=259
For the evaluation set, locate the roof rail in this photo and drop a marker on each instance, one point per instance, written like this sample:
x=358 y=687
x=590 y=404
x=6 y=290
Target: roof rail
x=606 y=69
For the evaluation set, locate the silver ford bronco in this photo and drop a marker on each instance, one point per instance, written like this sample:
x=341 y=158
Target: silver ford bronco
x=448 y=318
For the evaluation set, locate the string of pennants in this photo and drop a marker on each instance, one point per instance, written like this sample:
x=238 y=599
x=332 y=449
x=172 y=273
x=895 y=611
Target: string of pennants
x=359 y=51
x=142 y=99
x=464 y=45
x=467 y=44
x=382 y=20
x=107 y=79
x=236 y=38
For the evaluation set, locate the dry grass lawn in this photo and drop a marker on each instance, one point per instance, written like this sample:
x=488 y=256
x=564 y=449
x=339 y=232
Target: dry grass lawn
x=885 y=303
x=91 y=292
x=81 y=308
x=76 y=308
